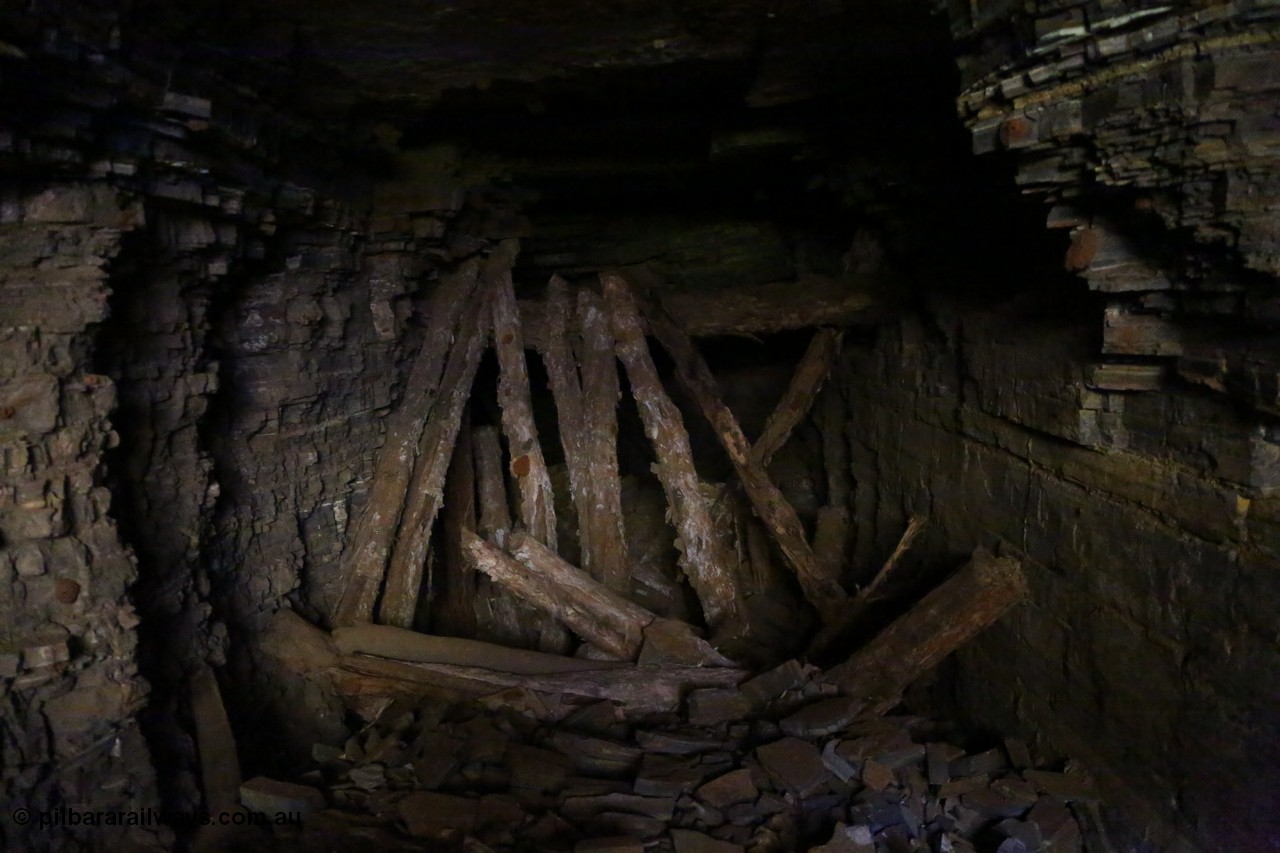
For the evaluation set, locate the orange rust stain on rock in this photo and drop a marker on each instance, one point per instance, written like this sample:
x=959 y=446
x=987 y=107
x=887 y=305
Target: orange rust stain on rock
x=7 y=412
x=508 y=337
x=1084 y=246
x=1015 y=130
x=66 y=590
x=520 y=466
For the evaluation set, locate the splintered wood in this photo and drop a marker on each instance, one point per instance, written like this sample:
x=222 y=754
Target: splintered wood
x=586 y=396
x=537 y=575
x=796 y=401
x=435 y=450
x=821 y=590
x=366 y=563
x=537 y=504
x=944 y=620
x=702 y=558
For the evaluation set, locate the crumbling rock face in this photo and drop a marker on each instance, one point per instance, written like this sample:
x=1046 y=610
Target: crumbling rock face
x=72 y=688
x=1153 y=132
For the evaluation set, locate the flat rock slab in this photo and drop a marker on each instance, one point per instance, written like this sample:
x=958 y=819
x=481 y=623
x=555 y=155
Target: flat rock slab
x=430 y=815
x=712 y=706
x=729 y=789
x=794 y=765
x=822 y=718
x=848 y=839
x=658 y=808
x=663 y=775
x=675 y=743
x=612 y=844
x=688 y=841
x=768 y=686
x=271 y=796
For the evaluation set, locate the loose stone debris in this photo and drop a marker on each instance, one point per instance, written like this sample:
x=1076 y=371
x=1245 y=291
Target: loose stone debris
x=493 y=777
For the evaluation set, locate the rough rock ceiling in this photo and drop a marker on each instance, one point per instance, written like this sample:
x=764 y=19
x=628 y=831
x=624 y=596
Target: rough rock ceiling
x=402 y=54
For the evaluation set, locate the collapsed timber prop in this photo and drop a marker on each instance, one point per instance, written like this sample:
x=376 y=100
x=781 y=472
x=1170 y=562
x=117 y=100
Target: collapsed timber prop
x=640 y=659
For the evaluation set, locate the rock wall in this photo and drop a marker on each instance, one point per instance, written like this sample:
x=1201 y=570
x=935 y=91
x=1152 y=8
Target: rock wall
x=1148 y=647
x=154 y=239
x=69 y=682
x=1121 y=434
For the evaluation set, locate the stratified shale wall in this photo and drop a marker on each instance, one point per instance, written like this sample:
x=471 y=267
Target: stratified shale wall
x=1121 y=432
x=154 y=240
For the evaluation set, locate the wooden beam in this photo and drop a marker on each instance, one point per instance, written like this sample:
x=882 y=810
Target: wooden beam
x=853 y=612
x=832 y=421
x=586 y=394
x=638 y=691
x=600 y=394
x=435 y=451
x=796 y=401
x=453 y=595
x=955 y=612
x=824 y=593
x=701 y=553
x=494 y=516
x=378 y=661
x=760 y=309
x=365 y=559
x=533 y=483
x=537 y=575
x=413 y=647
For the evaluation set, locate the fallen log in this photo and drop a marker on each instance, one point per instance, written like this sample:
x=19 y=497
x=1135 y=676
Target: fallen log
x=435 y=451
x=824 y=593
x=385 y=641
x=803 y=389
x=701 y=555
x=853 y=612
x=959 y=609
x=365 y=561
x=638 y=690
x=537 y=575
x=533 y=484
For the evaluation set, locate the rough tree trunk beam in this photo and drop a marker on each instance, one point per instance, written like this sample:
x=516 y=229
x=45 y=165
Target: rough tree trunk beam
x=586 y=395
x=762 y=309
x=366 y=559
x=835 y=451
x=494 y=521
x=796 y=401
x=499 y=614
x=868 y=595
x=453 y=597
x=824 y=593
x=638 y=690
x=701 y=555
x=536 y=501
x=413 y=647
x=943 y=621
x=374 y=660
x=600 y=394
x=536 y=574
x=435 y=451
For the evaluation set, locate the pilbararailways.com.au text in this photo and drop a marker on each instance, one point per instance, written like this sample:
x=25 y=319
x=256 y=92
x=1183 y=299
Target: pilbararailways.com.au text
x=65 y=816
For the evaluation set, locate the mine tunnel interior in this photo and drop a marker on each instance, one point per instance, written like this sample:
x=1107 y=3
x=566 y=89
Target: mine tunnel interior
x=675 y=427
